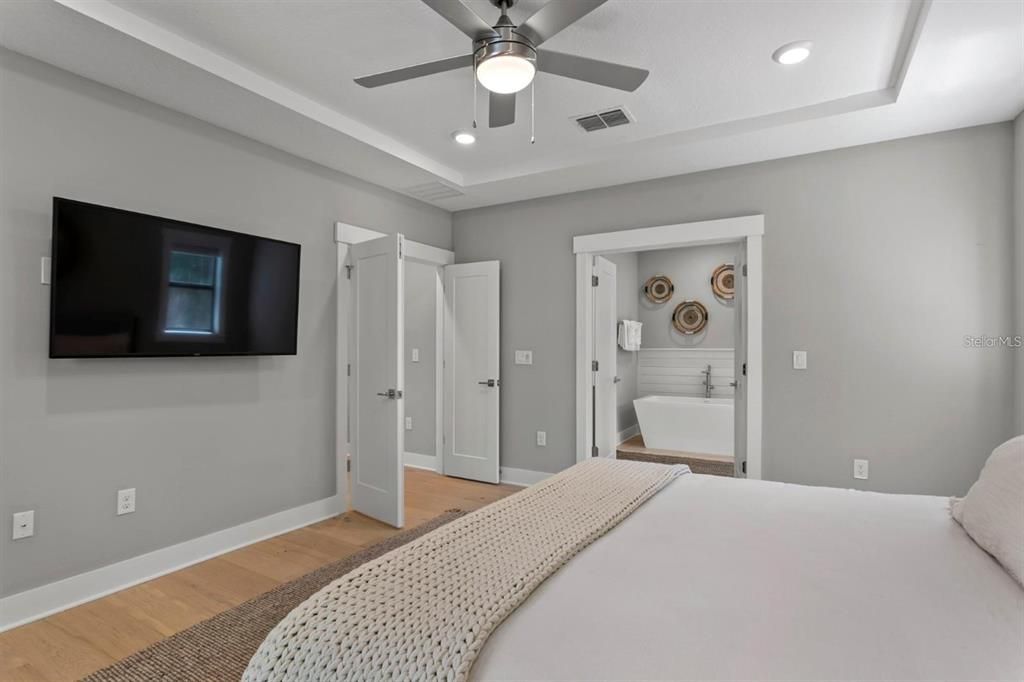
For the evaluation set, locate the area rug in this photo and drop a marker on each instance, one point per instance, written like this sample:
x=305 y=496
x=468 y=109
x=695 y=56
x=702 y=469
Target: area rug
x=220 y=648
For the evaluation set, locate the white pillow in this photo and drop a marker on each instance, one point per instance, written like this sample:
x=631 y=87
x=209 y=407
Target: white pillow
x=993 y=511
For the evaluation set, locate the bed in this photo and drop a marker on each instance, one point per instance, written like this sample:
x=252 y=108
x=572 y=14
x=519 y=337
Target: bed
x=722 y=579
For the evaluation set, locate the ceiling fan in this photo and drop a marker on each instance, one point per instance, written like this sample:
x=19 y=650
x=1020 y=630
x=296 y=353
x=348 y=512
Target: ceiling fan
x=505 y=57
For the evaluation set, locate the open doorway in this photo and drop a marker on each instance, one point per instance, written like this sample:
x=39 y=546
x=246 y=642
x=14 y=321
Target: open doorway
x=418 y=359
x=669 y=345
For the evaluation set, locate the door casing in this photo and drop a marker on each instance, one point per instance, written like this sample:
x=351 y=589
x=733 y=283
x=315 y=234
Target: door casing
x=746 y=229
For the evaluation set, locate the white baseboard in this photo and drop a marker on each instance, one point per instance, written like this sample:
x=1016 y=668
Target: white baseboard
x=418 y=461
x=626 y=434
x=522 y=476
x=39 y=602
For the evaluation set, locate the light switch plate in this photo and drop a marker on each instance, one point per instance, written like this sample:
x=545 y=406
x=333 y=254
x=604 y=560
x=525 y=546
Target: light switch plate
x=524 y=357
x=860 y=469
x=799 y=359
x=415 y=354
x=24 y=525
x=542 y=439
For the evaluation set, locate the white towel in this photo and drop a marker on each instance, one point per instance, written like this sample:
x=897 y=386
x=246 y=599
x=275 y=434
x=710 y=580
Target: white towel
x=629 y=335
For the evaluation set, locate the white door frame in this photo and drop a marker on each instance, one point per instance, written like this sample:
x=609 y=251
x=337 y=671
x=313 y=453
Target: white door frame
x=748 y=229
x=344 y=236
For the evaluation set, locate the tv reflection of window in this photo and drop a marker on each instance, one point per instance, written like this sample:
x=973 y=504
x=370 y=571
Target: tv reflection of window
x=193 y=293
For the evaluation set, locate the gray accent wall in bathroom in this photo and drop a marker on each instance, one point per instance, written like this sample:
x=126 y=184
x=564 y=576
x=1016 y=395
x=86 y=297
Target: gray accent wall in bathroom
x=690 y=271
x=878 y=261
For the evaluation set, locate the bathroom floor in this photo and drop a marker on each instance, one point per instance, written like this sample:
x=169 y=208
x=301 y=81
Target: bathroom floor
x=716 y=465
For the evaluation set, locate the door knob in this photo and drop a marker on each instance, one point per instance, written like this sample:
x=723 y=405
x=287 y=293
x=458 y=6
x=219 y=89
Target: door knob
x=391 y=394
x=491 y=383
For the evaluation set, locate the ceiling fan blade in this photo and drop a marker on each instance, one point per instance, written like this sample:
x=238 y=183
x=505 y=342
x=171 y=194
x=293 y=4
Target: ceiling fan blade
x=502 y=109
x=611 y=75
x=410 y=72
x=554 y=16
x=461 y=17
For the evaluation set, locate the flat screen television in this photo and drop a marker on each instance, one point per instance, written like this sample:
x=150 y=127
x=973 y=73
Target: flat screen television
x=126 y=284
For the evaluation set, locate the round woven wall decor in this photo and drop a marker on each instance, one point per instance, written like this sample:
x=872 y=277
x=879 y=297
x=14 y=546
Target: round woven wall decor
x=659 y=289
x=723 y=281
x=690 y=317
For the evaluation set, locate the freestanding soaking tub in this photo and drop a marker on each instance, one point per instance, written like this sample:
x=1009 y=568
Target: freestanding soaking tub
x=696 y=425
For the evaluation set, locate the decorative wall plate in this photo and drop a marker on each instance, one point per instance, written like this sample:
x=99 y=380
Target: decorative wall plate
x=690 y=317
x=723 y=281
x=659 y=289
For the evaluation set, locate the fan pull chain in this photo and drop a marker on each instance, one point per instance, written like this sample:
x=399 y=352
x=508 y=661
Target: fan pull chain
x=474 y=91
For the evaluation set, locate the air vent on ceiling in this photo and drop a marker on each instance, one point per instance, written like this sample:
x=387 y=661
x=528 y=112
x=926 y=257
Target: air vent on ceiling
x=604 y=119
x=432 y=191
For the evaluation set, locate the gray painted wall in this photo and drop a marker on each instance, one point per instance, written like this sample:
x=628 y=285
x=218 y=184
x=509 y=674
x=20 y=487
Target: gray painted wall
x=878 y=261
x=208 y=443
x=627 y=308
x=1018 y=200
x=690 y=271
x=420 y=329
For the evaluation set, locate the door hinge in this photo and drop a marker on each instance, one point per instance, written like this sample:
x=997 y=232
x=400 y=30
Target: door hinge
x=744 y=369
x=348 y=464
x=348 y=272
x=743 y=466
x=400 y=242
x=594 y=365
x=595 y=451
x=744 y=269
x=594 y=280
x=348 y=370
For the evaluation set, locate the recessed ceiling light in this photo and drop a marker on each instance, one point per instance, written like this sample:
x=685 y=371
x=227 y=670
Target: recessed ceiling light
x=463 y=137
x=793 y=53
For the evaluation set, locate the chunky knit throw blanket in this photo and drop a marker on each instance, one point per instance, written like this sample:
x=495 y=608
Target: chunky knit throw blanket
x=424 y=611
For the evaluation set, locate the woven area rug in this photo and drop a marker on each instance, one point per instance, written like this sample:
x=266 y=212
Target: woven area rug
x=220 y=648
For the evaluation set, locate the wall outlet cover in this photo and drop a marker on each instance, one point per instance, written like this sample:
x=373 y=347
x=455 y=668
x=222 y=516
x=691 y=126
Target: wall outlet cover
x=408 y=423
x=415 y=354
x=542 y=439
x=125 y=501
x=860 y=469
x=799 y=359
x=23 y=525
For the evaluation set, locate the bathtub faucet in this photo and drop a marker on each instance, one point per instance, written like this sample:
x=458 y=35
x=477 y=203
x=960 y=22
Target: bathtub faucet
x=707 y=382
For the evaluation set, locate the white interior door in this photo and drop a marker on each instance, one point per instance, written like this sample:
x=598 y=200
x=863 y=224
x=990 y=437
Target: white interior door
x=606 y=427
x=740 y=359
x=472 y=370
x=376 y=414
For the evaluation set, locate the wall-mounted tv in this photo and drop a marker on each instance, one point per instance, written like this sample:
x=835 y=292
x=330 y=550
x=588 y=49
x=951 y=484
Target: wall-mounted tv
x=126 y=284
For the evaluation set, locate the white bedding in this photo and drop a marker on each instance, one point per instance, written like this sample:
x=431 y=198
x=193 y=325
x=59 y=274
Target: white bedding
x=724 y=579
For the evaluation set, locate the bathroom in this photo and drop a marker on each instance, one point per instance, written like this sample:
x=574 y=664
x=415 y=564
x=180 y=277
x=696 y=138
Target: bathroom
x=674 y=392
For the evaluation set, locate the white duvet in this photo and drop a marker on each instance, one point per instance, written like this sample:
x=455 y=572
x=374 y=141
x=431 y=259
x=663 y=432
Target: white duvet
x=724 y=579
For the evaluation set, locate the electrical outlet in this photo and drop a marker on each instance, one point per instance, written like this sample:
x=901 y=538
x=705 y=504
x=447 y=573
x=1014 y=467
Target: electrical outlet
x=542 y=439
x=799 y=359
x=524 y=357
x=860 y=469
x=415 y=354
x=408 y=423
x=125 y=501
x=23 y=525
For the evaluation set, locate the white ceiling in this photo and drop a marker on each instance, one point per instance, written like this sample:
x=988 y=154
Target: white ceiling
x=281 y=72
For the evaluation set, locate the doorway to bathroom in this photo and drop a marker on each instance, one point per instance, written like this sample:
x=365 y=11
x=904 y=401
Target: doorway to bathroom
x=669 y=345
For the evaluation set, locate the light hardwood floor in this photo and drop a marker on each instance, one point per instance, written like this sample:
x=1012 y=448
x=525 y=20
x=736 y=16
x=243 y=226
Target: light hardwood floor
x=76 y=642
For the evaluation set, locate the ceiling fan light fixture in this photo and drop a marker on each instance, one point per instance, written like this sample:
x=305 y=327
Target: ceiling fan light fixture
x=464 y=137
x=793 y=53
x=505 y=67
